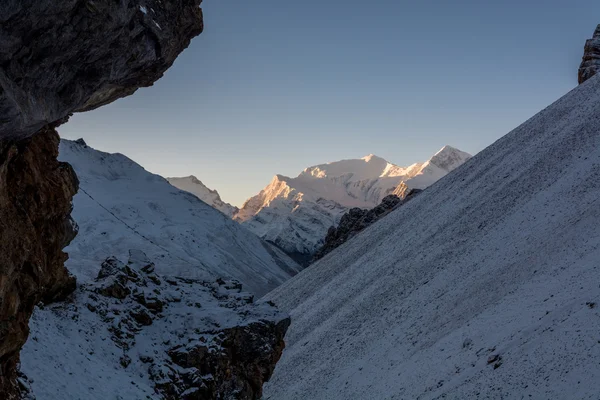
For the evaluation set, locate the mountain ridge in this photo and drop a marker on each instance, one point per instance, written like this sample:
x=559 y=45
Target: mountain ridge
x=211 y=197
x=295 y=213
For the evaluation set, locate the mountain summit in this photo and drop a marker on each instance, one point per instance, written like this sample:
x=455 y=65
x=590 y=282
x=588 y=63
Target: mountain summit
x=211 y=197
x=295 y=213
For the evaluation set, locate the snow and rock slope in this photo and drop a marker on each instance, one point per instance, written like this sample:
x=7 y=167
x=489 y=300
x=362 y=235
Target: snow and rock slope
x=295 y=213
x=134 y=334
x=169 y=324
x=197 y=188
x=486 y=285
x=121 y=206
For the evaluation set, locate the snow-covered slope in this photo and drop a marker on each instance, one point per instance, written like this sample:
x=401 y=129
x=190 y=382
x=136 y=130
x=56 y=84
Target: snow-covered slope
x=131 y=331
x=486 y=285
x=197 y=188
x=295 y=213
x=121 y=206
x=133 y=334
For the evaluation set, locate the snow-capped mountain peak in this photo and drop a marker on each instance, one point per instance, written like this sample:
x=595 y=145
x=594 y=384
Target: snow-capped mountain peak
x=209 y=196
x=448 y=158
x=295 y=213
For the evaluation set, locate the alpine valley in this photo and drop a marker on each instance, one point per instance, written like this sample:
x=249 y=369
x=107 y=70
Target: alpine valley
x=296 y=213
x=454 y=278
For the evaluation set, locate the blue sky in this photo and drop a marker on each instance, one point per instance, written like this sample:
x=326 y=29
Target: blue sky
x=275 y=86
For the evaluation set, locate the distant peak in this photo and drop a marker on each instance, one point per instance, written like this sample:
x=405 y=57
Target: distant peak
x=371 y=157
x=449 y=158
x=447 y=148
x=81 y=142
x=193 y=179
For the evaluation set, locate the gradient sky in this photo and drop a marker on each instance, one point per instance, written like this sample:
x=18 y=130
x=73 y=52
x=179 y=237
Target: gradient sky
x=275 y=86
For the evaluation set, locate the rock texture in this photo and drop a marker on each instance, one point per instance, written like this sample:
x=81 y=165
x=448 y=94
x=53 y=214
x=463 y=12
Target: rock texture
x=358 y=219
x=60 y=57
x=181 y=338
x=56 y=58
x=591 y=57
x=35 y=225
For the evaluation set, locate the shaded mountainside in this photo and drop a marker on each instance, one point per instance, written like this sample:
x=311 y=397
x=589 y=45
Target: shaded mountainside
x=211 y=197
x=121 y=206
x=132 y=333
x=484 y=285
x=176 y=327
x=35 y=224
x=295 y=213
x=57 y=58
x=358 y=219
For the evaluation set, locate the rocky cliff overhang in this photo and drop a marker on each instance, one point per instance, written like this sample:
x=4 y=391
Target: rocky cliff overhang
x=591 y=57
x=60 y=57
x=56 y=58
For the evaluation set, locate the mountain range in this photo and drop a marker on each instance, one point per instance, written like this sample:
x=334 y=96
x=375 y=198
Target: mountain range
x=295 y=213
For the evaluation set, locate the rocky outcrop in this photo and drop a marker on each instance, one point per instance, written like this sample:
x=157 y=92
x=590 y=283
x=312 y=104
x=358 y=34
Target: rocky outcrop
x=57 y=58
x=60 y=57
x=35 y=225
x=591 y=57
x=358 y=219
x=239 y=361
x=189 y=339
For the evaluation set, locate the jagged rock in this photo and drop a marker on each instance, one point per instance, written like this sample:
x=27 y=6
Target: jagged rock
x=35 y=225
x=56 y=58
x=404 y=192
x=591 y=57
x=81 y=142
x=239 y=361
x=226 y=350
x=358 y=219
x=60 y=57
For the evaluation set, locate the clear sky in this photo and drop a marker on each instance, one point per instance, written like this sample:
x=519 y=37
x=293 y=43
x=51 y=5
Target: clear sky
x=275 y=86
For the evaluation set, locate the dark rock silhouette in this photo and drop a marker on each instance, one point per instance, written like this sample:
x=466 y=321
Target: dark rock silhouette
x=358 y=219
x=56 y=58
x=591 y=57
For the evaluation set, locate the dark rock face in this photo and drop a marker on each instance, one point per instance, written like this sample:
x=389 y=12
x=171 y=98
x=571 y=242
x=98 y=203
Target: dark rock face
x=358 y=219
x=56 y=58
x=35 y=225
x=240 y=360
x=591 y=57
x=60 y=57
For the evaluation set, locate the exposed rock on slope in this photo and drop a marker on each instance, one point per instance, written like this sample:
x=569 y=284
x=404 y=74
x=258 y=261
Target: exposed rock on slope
x=482 y=286
x=591 y=57
x=358 y=219
x=132 y=333
x=60 y=57
x=197 y=188
x=57 y=58
x=295 y=213
x=35 y=225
